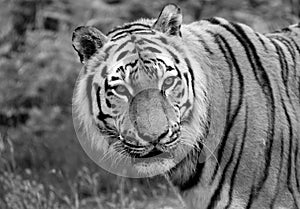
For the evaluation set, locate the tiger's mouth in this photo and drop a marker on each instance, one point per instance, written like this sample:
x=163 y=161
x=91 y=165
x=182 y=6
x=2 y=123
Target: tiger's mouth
x=152 y=153
x=152 y=148
x=153 y=156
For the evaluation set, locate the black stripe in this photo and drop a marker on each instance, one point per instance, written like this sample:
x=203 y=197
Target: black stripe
x=108 y=104
x=299 y=88
x=173 y=55
x=187 y=61
x=296 y=166
x=145 y=32
x=236 y=167
x=127 y=27
x=289 y=47
x=296 y=45
x=152 y=49
x=162 y=61
x=265 y=83
x=284 y=69
x=106 y=51
x=121 y=46
x=104 y=71
x=290 y=152
x=187 y=79
x=195 y=175
x=272 y=204
x=283 y=63
x=131 y=64
x=109 y=93
x=178 y=72
x=162 y=39
x=114 y=78
x=230 y=59
x=129 y=32
x=297 y=50
x=89 y=82
x=289 y=173
x=261 y=41
x=216 y=196
x=252 y=193
x=119 y=37
x=106 y=85
x=169 y=68
x=122 y=55
x=213 y=21
x=101 y=116
x=285 y=30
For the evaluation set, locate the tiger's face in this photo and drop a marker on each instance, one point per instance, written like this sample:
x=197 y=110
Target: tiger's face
x=140 y=92
x=146 y=98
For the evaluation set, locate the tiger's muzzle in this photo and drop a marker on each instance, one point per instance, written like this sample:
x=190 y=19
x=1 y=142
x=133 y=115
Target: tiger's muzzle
x=153 y=124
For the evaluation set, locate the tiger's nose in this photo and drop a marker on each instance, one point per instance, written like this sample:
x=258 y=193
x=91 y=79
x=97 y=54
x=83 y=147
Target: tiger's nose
x=154 y=139
x=148 y=114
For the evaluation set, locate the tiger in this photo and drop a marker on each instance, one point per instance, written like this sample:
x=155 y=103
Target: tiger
x=157 y=87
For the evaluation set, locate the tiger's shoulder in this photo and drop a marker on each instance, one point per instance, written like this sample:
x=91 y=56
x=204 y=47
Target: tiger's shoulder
x=211 y=36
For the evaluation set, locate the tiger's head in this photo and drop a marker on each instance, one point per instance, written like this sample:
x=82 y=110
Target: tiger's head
x=140 y=95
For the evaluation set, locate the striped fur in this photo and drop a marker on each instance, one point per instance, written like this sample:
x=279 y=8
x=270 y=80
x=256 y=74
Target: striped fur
x=240 y=99
x=258 y=152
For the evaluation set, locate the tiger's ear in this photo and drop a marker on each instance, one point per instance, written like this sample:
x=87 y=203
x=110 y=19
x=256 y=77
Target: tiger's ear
x=169 y=20
x=86 y=40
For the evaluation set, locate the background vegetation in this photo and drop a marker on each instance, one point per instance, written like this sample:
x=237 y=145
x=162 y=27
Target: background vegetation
x=41 y=163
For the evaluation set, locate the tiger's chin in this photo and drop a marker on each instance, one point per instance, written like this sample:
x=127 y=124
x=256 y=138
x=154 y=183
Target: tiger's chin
x=153 y=167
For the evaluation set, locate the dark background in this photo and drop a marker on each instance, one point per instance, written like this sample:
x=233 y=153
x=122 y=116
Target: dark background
x=41 y=162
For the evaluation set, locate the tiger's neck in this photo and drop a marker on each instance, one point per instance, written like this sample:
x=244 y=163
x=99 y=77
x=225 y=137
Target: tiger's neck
x=198 y=167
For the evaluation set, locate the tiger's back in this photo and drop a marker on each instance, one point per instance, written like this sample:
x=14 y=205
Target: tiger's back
x=259 y=150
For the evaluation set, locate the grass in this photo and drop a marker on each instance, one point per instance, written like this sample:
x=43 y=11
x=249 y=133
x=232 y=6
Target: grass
x=24 y=189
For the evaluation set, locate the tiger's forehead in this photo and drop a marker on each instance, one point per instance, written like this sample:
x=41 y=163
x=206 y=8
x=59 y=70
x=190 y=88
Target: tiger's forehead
x=142 y=66
x=131 y=28
x=142 y=59
x=135 y=45
x=132 y=44
x=131 y=48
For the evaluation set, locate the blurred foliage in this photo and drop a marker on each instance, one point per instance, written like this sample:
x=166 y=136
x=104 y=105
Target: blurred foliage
x=41 y=162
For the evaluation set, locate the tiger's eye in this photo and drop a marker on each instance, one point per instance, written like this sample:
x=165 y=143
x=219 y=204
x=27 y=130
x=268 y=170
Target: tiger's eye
x=168 y=82
x=120 y=89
